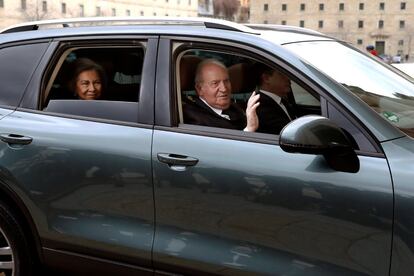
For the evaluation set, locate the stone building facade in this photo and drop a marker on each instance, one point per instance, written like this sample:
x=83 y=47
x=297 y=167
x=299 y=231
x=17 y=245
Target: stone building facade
x=17 y=11
x=206 y=9
x=244 y=11
x=386 y=24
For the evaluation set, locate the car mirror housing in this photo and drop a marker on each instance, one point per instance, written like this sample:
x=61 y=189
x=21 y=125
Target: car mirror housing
x=315 y=134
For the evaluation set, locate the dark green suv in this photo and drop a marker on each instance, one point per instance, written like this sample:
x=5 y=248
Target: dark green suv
x=121 y=184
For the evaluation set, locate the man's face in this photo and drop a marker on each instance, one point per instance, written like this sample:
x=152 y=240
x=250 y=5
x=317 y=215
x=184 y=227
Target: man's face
x=277 y=83
x=88 y=85
x=214 y=86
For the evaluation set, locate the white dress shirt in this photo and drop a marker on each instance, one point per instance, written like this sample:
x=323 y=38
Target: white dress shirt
x=216 y=110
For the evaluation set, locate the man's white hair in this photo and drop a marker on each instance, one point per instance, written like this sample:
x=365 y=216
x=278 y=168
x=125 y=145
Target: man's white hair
x=204 y=63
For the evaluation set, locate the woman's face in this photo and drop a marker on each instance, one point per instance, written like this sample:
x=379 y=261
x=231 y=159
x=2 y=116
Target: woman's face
x=88 y=85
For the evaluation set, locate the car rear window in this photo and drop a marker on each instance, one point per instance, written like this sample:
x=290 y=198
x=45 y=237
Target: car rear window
x=17 y=64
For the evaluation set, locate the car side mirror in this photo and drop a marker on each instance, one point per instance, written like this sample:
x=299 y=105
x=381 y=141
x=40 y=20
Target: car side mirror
x=314 y=134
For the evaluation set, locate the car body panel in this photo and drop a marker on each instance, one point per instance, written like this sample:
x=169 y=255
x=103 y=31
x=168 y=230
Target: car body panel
x=4 y=112
x=407 y=68
x=267 y=216
x=81 y=187
x=400 y=155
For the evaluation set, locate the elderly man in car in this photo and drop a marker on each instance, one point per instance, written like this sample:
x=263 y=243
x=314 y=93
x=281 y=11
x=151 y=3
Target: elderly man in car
x=213 y=106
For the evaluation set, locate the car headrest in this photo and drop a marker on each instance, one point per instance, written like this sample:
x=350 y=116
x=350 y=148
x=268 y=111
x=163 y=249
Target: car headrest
x=188 y=66
x=242 y=78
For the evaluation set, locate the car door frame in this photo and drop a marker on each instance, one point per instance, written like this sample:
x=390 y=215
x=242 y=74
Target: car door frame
x=30 y=102
x=167 y=119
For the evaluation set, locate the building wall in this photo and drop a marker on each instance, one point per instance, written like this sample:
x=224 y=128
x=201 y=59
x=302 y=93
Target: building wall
x=205 y=8
x=11 y=11
x=396 y=39
x=244 y=11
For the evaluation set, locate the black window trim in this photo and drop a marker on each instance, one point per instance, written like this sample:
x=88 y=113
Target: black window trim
x=168 y=122
x=145 y=106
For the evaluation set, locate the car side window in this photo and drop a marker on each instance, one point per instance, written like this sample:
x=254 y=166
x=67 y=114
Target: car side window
x=282 y=98
x=17 y=64
x=99 y=82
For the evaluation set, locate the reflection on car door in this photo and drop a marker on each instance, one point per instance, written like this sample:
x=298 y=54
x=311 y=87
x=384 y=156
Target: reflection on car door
x=250 y=208
x=90 y=182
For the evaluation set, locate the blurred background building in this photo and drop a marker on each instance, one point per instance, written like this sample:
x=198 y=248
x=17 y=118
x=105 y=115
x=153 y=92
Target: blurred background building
x=16 y=11
x=388 y=25
x=385 y=24
x=205 y=8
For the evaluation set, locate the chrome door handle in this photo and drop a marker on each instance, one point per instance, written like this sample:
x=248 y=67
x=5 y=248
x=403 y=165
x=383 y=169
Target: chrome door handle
x=15 y=139
x=176 y=159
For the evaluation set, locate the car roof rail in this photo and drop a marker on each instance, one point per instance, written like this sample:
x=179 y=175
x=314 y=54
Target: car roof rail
x=97 y=21
x=289 y=28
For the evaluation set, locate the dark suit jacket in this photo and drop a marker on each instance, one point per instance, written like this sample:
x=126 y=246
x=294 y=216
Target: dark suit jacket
x=196 y=112
x=272 y=118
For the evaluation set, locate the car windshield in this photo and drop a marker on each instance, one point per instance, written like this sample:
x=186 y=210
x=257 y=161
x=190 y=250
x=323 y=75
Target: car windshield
x=384 y=90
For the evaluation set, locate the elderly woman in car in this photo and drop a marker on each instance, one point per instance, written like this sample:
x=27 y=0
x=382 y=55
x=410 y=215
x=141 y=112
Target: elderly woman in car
x=88 y=79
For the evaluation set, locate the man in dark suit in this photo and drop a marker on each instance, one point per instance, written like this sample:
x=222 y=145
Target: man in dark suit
x=274 y=111
x=213 y=106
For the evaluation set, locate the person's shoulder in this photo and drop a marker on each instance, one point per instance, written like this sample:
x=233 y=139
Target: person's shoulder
x=266 y=99
x=192 y=103
x=264 y=96
x=195 y=109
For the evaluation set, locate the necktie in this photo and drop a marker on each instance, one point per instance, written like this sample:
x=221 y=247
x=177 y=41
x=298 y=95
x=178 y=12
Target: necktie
x=289 y=108
x=225 y=114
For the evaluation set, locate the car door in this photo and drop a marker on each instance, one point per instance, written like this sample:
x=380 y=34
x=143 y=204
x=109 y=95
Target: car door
x=230 y=202
x=83 y=167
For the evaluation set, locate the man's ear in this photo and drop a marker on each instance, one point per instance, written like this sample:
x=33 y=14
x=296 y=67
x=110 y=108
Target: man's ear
x=198 y=89
x=265 y=77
